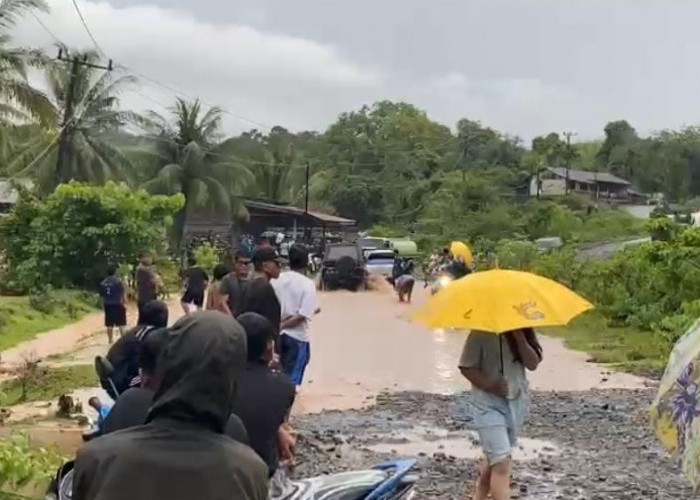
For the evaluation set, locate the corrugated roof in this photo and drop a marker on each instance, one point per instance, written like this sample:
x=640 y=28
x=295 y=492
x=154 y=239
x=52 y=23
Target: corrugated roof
x=588 y=177
x=292 y=210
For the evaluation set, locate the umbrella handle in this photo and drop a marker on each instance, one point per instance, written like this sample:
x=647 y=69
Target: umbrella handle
x=500 y=345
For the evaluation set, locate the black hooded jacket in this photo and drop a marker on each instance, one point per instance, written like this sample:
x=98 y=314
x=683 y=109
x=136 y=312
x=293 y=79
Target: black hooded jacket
x=181 y=453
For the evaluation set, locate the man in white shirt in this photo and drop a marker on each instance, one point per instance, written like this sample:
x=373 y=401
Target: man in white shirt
x=299 y=303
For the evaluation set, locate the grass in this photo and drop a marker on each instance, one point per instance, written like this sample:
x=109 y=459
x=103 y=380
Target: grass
x=48 y=384
x=20 y=320
x=625 y=348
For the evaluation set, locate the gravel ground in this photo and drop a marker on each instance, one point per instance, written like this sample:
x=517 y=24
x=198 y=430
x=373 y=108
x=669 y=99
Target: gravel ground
x=597 y=445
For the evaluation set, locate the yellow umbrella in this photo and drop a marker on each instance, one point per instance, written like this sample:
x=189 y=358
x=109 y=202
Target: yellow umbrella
x=499 y=301
x=460 y=249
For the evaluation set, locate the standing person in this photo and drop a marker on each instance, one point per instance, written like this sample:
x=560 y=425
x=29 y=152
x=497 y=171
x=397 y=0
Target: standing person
x=181 y=453
x=146 y=283
x=231 y=287
x=196 y=280
x=264 y=397
x=214 y=302
x=495 y=366
x=113 y=294
x=258 y=295
x=299 y=303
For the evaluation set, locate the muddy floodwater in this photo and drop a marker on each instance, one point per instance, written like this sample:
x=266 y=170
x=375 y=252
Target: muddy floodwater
x=364 y=344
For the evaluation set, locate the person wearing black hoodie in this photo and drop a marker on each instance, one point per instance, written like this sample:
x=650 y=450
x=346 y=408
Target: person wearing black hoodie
x=131 y=407
x=181 y=452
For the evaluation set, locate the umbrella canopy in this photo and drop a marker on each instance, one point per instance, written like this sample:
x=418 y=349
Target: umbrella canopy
x=676 y=409
x=499 y=301
x=462 y=250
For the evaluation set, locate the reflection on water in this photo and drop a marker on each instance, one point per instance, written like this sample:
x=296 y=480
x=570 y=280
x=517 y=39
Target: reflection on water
x=363 y=344
x=430 y=440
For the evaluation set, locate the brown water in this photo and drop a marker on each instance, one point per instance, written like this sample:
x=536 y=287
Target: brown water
x=363 y=344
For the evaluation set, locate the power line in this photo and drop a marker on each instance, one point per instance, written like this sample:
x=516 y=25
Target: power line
x=87 y=28
x=46 y=28
x=181 y=93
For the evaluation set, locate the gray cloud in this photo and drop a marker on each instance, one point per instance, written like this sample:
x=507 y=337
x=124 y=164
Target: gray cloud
x=523 y=66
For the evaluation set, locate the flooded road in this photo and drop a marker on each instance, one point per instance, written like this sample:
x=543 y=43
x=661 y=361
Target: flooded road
x=364 y=343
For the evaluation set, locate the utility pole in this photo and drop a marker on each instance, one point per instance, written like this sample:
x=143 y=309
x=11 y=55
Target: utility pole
x=64 y=152
x=306 y=201
x=568 y=159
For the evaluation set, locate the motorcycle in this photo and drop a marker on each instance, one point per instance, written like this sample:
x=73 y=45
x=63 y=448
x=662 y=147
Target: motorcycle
x=442 y=280
x=392 y=480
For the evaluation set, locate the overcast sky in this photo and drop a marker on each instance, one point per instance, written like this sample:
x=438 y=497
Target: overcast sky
x=525 y=67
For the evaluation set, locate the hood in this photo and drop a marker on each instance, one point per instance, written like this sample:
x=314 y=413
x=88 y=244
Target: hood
x=198 y=368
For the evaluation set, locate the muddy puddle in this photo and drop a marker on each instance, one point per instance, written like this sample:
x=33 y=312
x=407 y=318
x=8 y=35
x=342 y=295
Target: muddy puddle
x=428 y=441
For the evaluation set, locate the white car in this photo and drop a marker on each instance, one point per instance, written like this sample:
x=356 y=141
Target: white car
x=380 y=262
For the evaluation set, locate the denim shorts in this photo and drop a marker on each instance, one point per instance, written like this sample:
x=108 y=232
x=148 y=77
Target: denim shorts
x=497 y=421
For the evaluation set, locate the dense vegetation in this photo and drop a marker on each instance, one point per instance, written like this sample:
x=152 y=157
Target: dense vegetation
x=388 y=166
x=70 y=237
x=385 y=164
x=646 y=288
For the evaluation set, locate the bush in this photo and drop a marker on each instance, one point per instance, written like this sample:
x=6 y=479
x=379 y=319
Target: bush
x=207 y=256
x=70 y=238
x=516 y=254
x=23 y=468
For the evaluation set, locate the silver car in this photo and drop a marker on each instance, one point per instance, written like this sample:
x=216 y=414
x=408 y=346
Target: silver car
x=380 y=262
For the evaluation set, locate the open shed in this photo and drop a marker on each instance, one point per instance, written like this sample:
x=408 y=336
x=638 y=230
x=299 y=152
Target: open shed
x=288 y=219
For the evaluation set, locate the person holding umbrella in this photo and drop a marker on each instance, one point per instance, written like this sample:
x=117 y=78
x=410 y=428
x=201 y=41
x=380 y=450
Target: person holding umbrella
x=500 y=399
x=501 y=309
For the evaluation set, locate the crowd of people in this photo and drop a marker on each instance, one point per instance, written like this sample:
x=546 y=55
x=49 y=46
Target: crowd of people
x=201 y=408
x=231 y=365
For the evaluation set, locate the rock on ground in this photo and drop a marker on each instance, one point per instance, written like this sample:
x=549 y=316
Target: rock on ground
x=605 y=446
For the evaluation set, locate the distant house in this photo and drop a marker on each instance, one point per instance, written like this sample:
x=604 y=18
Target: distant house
x=9 y=195
x=557 y=182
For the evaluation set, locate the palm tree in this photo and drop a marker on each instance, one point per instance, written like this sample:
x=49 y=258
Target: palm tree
x=193 y=161
x=272 y=160
x=92 y=157
x=19 y=101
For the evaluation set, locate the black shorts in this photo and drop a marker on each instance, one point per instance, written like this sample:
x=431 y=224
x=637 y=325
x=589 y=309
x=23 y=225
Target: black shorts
x=193 y=297
x=115 y=315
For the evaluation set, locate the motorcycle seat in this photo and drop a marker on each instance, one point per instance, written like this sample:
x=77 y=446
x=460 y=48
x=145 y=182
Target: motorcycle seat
x=348 y=485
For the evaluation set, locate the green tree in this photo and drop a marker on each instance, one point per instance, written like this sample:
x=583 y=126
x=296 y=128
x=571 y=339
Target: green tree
x=481 y=147
x=617 y=154
x=19 y=100
x=69 y=238
x=91 y=158
x=385 y=161
x=273 y=161
x=193 y=161
x=551 y=148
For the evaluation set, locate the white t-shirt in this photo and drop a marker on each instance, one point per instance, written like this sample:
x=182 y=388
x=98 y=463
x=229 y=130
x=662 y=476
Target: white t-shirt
x=297 y=295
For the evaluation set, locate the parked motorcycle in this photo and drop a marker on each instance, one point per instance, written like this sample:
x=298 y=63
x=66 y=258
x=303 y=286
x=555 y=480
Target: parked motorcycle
x=392 y=480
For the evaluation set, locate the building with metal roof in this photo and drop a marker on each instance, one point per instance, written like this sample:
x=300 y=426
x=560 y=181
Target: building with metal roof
x=557 y=181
